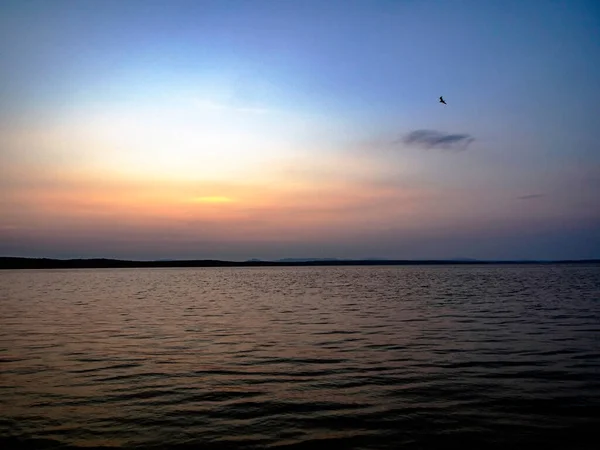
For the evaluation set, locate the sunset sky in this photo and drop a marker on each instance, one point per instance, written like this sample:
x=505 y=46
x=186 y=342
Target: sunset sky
x=298 y=128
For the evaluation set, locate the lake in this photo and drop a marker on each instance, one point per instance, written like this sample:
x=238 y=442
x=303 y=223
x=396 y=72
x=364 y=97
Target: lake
x=349 y=357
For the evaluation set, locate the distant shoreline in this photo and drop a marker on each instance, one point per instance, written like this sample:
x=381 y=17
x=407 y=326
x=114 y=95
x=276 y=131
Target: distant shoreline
x=102 y=263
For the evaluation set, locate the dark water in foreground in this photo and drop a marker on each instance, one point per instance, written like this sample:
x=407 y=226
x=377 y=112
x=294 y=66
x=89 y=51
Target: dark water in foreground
x=352 y=357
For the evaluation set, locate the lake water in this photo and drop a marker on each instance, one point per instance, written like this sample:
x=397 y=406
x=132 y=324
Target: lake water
x=350 y=357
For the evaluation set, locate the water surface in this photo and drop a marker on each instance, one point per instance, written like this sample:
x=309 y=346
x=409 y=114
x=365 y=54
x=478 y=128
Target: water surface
x=353 y=357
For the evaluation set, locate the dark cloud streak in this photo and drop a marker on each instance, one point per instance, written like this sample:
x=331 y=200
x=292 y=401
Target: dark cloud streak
x=432 y=139
x=531 y=196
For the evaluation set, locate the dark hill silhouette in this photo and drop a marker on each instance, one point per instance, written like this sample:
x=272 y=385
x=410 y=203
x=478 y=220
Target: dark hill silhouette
x=99 y=263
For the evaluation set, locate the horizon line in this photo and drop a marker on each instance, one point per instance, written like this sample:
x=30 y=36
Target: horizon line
x=17 y=262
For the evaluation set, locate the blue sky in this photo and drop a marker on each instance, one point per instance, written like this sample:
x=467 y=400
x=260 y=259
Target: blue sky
x=283 y=123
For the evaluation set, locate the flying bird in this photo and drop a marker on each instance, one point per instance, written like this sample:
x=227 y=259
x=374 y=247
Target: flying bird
x=442 y=100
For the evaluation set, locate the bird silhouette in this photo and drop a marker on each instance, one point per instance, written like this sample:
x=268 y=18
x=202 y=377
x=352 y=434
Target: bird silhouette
x=442 y=100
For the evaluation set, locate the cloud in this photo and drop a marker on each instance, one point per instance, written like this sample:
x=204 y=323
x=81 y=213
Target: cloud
x=213 y=199
x=217 y=106
x=438 y=139
x=531 y=196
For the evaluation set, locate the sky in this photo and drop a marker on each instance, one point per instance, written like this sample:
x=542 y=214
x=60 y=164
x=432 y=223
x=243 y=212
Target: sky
x=269 y=129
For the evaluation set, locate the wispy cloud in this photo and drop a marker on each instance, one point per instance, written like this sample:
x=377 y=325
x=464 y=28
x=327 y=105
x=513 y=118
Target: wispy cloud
x=531 y=196
x=211 y=105
x=437 y=139
x=213 y=199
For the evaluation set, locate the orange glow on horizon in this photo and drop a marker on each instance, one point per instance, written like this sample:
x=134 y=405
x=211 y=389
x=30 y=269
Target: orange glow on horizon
x=213 y=199
x=96 y=202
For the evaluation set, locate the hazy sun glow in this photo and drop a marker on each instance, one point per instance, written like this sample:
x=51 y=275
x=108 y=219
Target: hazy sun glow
x=215 y=199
